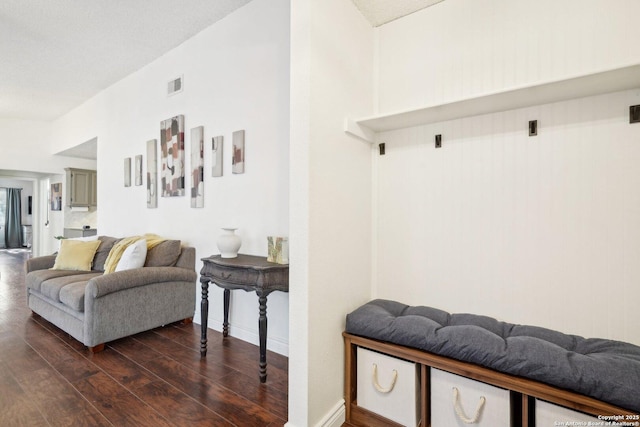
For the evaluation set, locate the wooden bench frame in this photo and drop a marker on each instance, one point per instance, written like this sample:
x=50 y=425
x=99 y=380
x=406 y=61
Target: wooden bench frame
x=523 y=391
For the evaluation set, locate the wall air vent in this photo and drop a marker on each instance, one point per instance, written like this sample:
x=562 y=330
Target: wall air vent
x=175 y=86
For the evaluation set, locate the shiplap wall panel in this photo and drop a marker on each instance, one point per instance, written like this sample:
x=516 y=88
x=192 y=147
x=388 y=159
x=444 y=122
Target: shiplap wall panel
x=459 y=48
x=542 y=230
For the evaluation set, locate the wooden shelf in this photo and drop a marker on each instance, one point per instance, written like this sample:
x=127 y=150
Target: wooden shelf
x=613 y=80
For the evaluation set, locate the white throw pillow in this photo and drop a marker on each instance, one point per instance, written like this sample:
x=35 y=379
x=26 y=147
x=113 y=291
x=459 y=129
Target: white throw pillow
x=134 y=256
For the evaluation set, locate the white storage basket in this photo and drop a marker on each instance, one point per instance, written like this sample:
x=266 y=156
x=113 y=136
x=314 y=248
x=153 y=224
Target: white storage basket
x=389 y=387
x=457 y=401
x=548 y=415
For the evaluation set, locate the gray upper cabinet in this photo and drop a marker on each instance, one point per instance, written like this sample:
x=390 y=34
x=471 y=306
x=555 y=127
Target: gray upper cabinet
x=81 y=187
x=93 y=186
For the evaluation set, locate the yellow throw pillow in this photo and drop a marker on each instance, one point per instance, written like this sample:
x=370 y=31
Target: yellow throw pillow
x=116 y=253
x=76 y=255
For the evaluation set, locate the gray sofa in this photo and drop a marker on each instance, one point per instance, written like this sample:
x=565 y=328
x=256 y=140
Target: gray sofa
x=96 y=308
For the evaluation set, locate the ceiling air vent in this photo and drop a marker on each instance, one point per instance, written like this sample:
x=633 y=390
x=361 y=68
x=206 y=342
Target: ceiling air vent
x=175 y=86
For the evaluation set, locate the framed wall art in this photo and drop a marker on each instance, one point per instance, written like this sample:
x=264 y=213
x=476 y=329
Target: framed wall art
x=56 y=196
x=138 y=169
x=152 y=174
x=127 y=172
x=197 y=167
x=237 y=163
x=172 y=156
x=216 y=156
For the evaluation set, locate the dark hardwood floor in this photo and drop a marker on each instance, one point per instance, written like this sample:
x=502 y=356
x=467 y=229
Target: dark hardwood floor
x=154 y=378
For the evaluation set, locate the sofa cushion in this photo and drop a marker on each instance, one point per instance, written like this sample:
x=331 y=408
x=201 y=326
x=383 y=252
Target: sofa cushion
x=164 y=254
x=35 y=278
x=72 y=295
x=106 y=243
x=76 y=255
x=51 y=288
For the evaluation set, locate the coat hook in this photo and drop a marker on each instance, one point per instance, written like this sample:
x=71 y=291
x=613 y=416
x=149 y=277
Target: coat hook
x=634 y=114
x=438 y=141
x=381 y=147
x=533 y=127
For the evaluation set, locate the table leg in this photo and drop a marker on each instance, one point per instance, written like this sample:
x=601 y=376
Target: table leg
x=204 y=316
x=262 y=330
x=225 y=324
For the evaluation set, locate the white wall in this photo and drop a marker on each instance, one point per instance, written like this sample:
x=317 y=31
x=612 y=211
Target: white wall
x=458 y=49
x=27 y=153
x=26 y=147
x=539 y=230
x=331 y=77
x=236 y=76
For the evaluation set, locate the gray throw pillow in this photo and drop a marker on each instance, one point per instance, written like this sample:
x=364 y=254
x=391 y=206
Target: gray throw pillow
x=106 y=243
x=165 y=254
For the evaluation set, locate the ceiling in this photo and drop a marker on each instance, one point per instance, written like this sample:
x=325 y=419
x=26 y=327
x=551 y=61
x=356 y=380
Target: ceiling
x=58 y=54
x=379 y=12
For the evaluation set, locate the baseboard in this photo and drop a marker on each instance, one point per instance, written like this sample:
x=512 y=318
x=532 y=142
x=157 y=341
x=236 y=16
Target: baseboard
x=275 y=345
x=334 y=418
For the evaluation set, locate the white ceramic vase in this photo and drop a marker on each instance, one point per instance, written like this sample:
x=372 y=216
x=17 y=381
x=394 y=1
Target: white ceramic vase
x=229 y=243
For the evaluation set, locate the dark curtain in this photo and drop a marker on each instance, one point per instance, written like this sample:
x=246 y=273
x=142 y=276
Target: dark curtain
x=13 y=221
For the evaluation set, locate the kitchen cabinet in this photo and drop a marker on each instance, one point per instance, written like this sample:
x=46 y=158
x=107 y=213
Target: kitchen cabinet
x=81 y=187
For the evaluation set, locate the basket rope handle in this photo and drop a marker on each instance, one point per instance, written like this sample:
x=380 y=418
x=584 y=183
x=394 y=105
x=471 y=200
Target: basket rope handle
x=460 y=411
x=377 y=385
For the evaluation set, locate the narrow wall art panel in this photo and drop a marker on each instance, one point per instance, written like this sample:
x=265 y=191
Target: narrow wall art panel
x=138 y=169
x=127 y=172
x=56 y=196
x=197 y=167
x=238 y=152
x=152 y=174
x=172 y=155
x=216 y=156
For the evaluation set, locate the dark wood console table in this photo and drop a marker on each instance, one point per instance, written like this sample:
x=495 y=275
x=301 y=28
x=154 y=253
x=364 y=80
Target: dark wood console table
x=251 y=274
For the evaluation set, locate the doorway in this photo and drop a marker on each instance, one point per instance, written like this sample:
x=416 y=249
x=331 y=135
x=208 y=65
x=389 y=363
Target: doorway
x=3 y=209
x=11 y=230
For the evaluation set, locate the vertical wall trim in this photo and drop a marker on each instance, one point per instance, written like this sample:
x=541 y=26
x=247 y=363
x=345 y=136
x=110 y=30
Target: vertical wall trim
x=375 y=158
x=376 y=71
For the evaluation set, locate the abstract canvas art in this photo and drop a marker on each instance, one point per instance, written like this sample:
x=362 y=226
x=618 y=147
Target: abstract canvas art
x=138 y=169
x=127 y=172
x=197 y=167
x=237 y=163
x=56 y=196
x=172 y=156
x=216 y=156
x=152 y=174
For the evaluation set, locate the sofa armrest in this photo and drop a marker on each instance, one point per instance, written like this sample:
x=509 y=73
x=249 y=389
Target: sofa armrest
x=117 y=281
x=40 y=263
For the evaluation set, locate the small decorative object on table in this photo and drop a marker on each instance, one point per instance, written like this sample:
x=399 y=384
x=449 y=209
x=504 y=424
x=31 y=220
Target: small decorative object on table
x=278 y=249
x=229 y=243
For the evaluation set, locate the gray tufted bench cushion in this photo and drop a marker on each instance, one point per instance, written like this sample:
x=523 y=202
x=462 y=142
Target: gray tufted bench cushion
x=604 y=369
